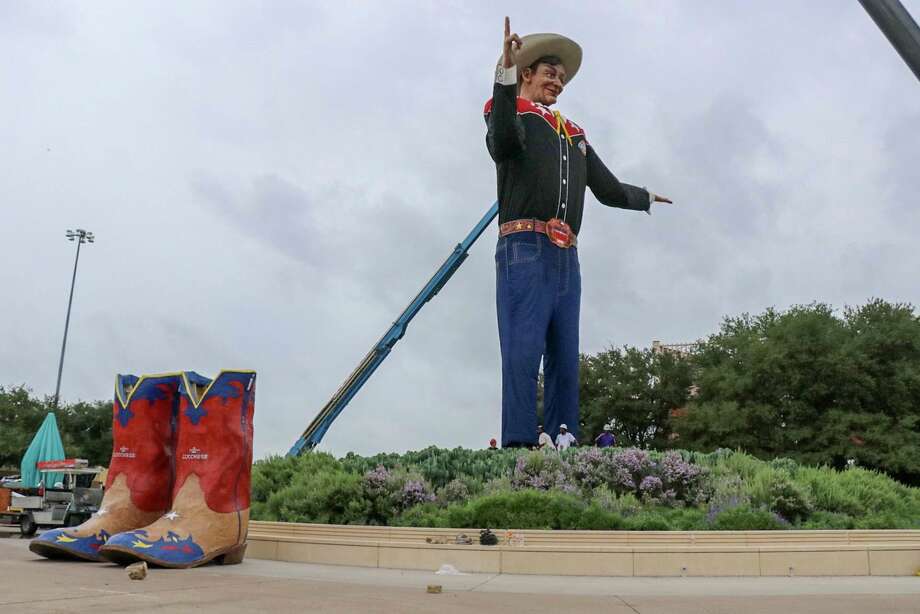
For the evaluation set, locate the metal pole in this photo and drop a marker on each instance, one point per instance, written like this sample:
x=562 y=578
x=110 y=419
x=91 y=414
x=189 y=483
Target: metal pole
x=899 y=27
x=57 y=390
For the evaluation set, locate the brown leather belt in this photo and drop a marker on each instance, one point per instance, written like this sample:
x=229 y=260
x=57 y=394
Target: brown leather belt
x=557 y=230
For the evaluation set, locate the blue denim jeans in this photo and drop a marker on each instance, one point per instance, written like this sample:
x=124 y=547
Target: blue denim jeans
x=538 y=295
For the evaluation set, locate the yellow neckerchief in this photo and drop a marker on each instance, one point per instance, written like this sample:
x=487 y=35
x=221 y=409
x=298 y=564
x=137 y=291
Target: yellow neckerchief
x=560 y=126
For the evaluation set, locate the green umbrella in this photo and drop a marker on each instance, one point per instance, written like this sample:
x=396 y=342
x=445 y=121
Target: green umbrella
x=45 y=446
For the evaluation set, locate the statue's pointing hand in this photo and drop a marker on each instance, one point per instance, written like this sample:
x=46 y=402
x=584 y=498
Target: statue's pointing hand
x=512 y=45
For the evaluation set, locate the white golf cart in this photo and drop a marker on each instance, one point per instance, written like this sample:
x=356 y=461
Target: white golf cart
x=67 y=505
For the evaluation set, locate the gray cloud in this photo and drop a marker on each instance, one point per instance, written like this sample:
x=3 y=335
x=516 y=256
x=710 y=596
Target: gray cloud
x=271 y=185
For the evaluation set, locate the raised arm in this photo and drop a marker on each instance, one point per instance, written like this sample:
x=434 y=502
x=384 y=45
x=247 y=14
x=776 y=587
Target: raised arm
x=505 y=137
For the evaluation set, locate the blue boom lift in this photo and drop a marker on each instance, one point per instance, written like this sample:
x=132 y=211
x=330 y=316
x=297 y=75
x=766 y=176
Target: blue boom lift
x=323 y=420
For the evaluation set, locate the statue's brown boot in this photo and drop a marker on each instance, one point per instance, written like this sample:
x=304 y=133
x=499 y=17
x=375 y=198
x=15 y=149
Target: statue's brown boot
x=140 y=479
x=209 y=517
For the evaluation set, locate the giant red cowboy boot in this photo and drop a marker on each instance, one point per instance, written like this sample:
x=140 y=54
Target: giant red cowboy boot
x=139 y=483
x=209 y=517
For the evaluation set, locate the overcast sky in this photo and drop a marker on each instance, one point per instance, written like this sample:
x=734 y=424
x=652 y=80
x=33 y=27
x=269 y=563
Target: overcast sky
x=270 y=183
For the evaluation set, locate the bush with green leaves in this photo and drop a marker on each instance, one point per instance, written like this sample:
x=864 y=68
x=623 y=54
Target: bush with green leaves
x=519 y=509
x=438 y=466
x=453 y=492
x=320 y=491
x=776 y=491
x=579 y=489
x=828 y=520
x=746 y=518
x=391 y=492
x=625 y=504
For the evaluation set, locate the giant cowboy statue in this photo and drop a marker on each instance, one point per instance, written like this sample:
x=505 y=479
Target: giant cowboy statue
x=544 y=162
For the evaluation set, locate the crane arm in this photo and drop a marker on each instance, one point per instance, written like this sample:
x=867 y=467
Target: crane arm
x=331 y=410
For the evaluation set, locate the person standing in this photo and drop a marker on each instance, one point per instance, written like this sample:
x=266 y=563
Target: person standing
x=565 y=440
x=544 y=441
x=543 y=163
x=605 y=439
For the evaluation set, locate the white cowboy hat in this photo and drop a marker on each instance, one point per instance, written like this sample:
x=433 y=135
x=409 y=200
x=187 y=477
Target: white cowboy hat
x=563 y=426
x=535 y=46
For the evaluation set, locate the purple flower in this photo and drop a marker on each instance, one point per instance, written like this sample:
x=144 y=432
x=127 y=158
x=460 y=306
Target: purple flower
x=540 y=470
x=650 y=484
x=413 y=493
x=717 y=508
x=675 y=469
x=669 y=481
x=375 y=481
x=634 y=460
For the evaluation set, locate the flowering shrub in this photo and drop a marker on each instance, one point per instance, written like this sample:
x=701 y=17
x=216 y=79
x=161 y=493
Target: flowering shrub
x=717 y=507
x=414 y=492
x=453 y=491
x=541 y=471
x=581 y=488
x=438 y=466
x=727 y=491
x=634 y=465
x=591 y=468
x=683 y=480
x=665 y=479
x=391 y=492
x=788 y=499
x=668 y=481
x=651 y=486
x=376 y=481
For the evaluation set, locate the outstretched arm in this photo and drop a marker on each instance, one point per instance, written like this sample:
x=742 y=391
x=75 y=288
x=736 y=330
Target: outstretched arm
x=611 y=192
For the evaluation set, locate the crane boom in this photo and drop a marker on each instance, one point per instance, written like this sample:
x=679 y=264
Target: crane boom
x=331 y=410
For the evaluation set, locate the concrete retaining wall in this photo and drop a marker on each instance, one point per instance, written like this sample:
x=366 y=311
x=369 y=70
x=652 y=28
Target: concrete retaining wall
x=597 y=553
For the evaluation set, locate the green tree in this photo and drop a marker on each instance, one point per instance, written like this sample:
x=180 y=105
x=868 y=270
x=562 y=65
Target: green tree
x=635 y=390
x=813 y=385
x=766 y=381
x=86 y=430
x=85 y=427
x=20 y=416
x=881 y=425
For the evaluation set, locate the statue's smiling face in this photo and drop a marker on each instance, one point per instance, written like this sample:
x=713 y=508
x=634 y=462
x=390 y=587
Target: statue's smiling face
x=544 y=83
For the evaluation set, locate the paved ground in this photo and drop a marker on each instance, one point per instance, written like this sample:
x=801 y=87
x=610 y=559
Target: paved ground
x=29 y=583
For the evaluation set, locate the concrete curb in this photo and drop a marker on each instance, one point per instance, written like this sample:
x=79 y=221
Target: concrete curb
x=597 y=553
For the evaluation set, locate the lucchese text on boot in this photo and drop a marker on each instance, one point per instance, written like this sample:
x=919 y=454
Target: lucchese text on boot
x=139 y=485
x=209 y=516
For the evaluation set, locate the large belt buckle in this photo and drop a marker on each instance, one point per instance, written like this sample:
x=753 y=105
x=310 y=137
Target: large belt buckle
x=559 y=233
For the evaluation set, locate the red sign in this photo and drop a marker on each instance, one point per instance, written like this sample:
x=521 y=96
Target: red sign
x=67 y=463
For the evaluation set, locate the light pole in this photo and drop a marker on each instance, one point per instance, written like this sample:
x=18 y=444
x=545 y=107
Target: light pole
x=80 y=236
